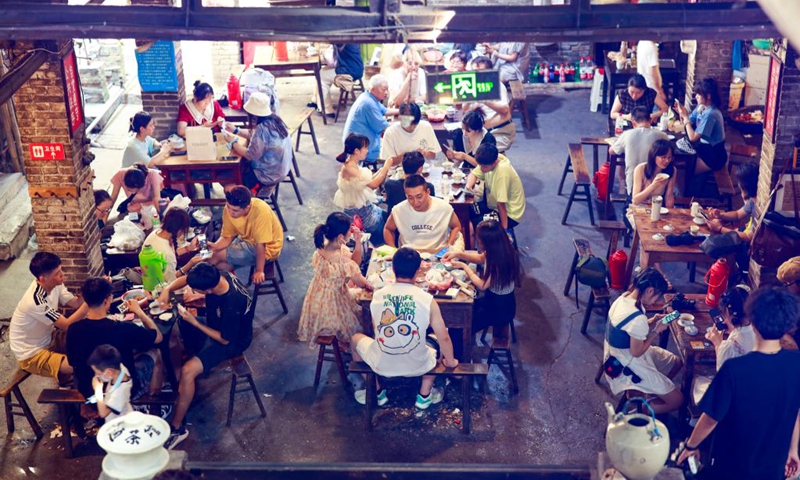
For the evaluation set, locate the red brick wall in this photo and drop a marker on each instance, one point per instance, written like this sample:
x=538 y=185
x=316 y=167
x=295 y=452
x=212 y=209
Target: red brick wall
x=712 y=59
x=65 y=226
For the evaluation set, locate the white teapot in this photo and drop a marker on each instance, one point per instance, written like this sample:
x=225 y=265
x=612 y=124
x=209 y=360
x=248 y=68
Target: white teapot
x=638 y=445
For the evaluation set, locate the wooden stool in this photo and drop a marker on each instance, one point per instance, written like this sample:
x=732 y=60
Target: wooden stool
x=500 y=355
x=596 y=143
x=324 y=343
x=12 y=386
x=518 y=101
x=272 y=201
x=242 y=374
x=296 y=126
x=582 y=247
x=290 y=179
x=270 y=285
x=725 y=186
x=513 y=333
x=582 y=182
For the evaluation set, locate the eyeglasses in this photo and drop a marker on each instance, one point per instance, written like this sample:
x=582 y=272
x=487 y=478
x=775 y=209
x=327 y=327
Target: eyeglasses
x=103 y=210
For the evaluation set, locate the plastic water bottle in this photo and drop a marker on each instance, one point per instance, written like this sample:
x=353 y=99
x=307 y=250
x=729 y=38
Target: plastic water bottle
x=156 y=222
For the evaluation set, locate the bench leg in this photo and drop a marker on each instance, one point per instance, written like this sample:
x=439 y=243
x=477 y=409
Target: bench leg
x=37 y=430
x=295 y=187
x=571 y=275
x=513 y=332
x=337 y=353
x=567 y=169
x=231 y=400
x=466 y=423
x=599 y=373
x=66 y=434
x=692 y=271
x=320 y=360
x=9 y=413
x=512 y=373
x=372 y=399
x=596 y=157
x=257 y=395
x=280 y=295
x=569 y=204
x=294 y=164
x=313 y=135
x=588 y=314
x=588 y=193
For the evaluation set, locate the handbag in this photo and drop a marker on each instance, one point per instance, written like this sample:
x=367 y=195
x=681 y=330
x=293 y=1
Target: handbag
x=777 y=238
x=717 y=246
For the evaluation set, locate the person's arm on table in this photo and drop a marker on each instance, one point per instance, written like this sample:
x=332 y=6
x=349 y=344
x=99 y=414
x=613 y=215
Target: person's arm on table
x=473 y=277
x=469 y=257
x=134 y=307
x=662 y=107
x=443 y=336
x=389 y=229
x=177 y=284
x=210 y=332
x=616 y=110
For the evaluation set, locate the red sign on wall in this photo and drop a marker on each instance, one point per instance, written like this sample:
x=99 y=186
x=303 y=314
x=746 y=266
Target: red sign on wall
x=47 y=151
x=72 y=91
x=773 y=92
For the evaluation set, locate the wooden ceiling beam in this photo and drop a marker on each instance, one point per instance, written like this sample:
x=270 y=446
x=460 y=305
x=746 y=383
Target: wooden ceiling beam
x=20 y=72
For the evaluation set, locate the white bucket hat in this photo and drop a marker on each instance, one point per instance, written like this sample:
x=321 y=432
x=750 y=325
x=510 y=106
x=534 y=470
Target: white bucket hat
x=258 y=105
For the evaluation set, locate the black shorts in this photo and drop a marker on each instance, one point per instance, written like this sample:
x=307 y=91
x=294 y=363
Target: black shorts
x=715 y=156
x=214 y=353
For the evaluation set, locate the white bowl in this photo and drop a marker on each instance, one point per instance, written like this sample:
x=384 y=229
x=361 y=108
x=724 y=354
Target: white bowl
x=690 y=330
x=662 y=175
x=699 y=220
x=664 y=211
x=687 y=317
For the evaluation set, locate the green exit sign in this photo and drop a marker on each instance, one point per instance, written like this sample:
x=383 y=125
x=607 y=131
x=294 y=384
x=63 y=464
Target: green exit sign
x=447 y=88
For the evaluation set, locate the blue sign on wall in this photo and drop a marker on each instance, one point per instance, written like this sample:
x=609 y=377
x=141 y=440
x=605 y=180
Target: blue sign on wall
x=156 y=68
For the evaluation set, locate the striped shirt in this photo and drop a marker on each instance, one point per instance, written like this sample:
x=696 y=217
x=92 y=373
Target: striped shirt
x=32 y=323
x=647 y=100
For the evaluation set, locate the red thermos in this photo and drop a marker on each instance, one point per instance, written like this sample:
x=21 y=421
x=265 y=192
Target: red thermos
x=717 y=280
x=234 y=93
x=616 y=266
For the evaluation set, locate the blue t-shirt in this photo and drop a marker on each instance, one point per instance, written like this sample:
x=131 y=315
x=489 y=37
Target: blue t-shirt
x=367 y=118
x=350 y=62
x=270 y=155
x=709 y=124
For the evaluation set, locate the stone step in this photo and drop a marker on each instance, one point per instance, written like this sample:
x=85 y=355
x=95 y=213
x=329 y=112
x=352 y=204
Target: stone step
x=10 y=184
x=16 y=220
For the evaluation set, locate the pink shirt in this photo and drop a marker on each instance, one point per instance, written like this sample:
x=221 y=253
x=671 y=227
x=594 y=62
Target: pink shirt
x=152 y=183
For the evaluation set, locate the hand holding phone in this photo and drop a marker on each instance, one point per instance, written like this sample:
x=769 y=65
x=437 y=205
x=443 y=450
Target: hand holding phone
x=440 y=253
x=670 y=317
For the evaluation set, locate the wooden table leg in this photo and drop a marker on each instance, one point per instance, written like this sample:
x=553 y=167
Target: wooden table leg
x=596 y=156
x=319 y=90
x=372 y=398
x=466 y=422
x=66 y=431
x=632 y=257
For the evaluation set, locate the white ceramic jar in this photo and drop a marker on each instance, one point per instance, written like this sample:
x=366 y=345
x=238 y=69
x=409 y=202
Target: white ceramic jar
x=638 y=445
x=134 y=444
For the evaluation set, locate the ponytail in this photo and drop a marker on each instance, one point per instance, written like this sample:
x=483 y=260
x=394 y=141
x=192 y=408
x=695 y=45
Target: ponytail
x=319 y=234
x=139 y=121
x=336 y=224
x=353 y=142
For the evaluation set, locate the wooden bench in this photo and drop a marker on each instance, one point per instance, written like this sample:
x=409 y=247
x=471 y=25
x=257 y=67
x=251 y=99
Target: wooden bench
x=12 y=387
x=334 y=355
x=581 y=189
x=518 y=98
x=725 y=186
x=467 y=371
x=296 y=126
x=500 y=355
x=742 y=154
x=617 y=228
x=582 y=247
x=596 y=143
x=271 y=284
x=69 y=399
x=242 y=374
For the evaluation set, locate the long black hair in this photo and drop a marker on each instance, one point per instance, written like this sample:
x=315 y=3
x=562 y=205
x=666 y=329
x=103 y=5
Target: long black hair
x=708 y=86
x=176 y=221
x=734 y=301
x=273 y=123
x=648 y=277
x=353 y=142
x=660 y=148
x=136 y=176
x=637 y=81
x=336 y=224
x=502 y=262
x=474 y=119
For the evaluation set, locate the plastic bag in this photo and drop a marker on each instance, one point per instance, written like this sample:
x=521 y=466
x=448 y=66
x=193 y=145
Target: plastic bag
x=259 y=80
x=127 y=235
x=179 y=202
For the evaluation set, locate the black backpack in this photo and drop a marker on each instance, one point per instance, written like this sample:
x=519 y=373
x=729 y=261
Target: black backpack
x=591 y=271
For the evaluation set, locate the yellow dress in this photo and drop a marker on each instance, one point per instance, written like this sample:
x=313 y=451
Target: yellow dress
x=329 y=307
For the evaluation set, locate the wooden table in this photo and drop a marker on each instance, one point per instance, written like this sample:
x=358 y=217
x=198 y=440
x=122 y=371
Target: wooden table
x=654 y=251
x=615 y=79
x=238 y=117
x=180 y=170
x=307 y=66
x=442 y=134
x=462 y=205
x=457 y=313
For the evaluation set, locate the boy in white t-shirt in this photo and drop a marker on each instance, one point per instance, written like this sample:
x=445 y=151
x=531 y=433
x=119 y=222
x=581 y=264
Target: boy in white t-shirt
x=112 y=383
x=409 y=135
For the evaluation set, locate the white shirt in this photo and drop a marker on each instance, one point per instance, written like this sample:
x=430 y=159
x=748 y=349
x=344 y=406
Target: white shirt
x=32 y=322
x=489 y=113
x=118 y=399
x=423 y=230
x=397 y=141
x=635 y=145
x=400 y=317
x=163 y=246
x=396 y=78
x=741 y=340
x=646 y=58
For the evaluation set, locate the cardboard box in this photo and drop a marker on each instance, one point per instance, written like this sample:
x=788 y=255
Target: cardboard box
x=754 y=96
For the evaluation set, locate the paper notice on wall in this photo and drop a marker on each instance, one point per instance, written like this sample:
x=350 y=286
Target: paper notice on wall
x=200 y=144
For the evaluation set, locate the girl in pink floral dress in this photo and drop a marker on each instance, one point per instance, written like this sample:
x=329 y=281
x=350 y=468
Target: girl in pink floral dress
x=329 y=307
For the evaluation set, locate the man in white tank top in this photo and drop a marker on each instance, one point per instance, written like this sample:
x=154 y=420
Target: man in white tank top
x=422 y=222
x=401 y=315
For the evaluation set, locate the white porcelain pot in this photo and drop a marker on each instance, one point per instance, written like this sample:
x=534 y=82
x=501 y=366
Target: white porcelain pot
x=638 y=445
x=134 y=446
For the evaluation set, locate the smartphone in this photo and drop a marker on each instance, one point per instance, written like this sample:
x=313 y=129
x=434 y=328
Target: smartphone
x=205 y=254
x=693 y=467
x=440 y=253
x=670 y=317
x=716 y=315
x=133 y=216
x=201 y=241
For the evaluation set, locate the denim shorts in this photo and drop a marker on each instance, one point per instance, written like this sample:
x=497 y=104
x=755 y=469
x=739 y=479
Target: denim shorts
x=241 y=253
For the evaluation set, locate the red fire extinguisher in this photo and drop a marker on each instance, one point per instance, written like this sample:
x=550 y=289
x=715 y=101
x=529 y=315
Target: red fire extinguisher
x=600 y=181
x=717 y=281
x=616 y=266
x=234 y=93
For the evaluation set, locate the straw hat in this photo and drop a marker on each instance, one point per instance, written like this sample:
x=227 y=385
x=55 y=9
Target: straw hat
x=789 y=272
x=258 y=105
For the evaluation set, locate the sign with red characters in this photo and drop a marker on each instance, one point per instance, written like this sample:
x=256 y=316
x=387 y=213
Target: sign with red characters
x=47 y=151
x=72 y=91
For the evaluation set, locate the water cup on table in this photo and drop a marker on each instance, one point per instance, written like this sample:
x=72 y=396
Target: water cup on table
x=655 y=209
x=696 y=209
x=448 y=166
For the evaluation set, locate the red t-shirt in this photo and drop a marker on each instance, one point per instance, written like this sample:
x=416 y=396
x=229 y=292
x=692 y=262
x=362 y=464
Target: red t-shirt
x=185 y=116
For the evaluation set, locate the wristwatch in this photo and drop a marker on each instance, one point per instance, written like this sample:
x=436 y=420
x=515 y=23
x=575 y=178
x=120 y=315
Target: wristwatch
x=688 y=448
x=235 y=130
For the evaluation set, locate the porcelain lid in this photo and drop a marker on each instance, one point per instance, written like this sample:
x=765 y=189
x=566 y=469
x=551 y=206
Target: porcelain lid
x=133 y=433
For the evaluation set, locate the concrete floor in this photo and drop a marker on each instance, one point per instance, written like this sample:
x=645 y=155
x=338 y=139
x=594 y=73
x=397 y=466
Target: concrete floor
x=557 y=419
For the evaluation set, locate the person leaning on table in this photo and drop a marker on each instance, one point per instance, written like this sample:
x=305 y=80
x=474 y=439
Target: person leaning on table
x=637 y=94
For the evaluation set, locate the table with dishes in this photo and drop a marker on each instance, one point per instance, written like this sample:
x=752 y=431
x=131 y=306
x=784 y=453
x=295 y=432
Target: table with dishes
x=651 y=236
x=617 y=78
x=434 y=277
x=450 y=182
x=443 y=121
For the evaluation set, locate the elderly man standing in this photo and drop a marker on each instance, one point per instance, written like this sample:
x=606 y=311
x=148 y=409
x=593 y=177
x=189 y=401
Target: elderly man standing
x=368 y=116
x=408 y=83
x=411 y=134
x=423 y=222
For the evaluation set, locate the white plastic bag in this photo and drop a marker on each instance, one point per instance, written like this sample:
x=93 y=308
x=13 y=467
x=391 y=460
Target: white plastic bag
x=127 y=235
x=179 y=201
x=259 y=80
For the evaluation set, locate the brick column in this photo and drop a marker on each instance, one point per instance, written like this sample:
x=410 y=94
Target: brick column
x=712 y=59
x=163 y=106
x=775 y=153
x=64 y=225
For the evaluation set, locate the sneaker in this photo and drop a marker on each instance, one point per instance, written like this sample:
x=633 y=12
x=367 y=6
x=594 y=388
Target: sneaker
x=436 y=396
x=176 y=437
x=311 y=105
x=361 y=397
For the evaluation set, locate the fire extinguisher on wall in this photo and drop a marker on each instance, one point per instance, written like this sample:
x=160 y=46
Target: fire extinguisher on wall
x=717 y=281
x=234 y=93
x=616 y=266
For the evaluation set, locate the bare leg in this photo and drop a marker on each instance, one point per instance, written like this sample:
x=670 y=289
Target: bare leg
x=667 y=403
x=427 y=385
x=701 y=167
x=189 y=374
x=220 y=260
x=158 y=372
x=65 y=369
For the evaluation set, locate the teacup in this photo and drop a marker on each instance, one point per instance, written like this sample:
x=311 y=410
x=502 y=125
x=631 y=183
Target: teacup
x=448 y=166
x=694 y=229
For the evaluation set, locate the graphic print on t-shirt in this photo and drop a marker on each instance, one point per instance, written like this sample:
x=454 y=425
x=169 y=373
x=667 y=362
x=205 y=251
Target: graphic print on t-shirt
x=398 y=334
